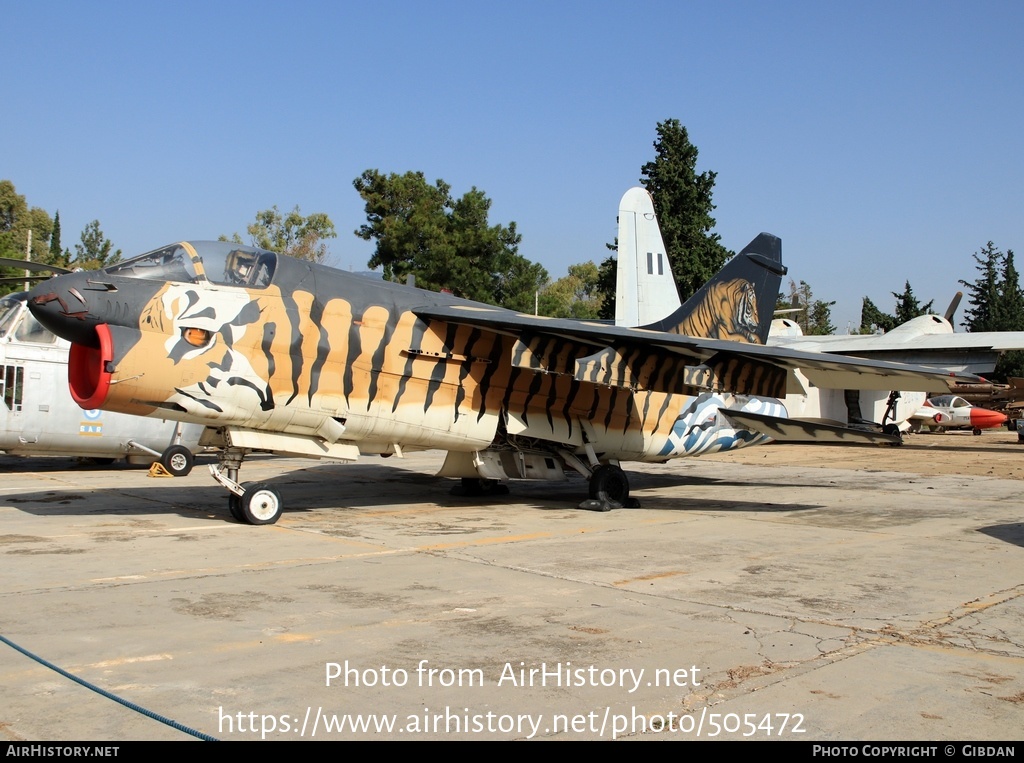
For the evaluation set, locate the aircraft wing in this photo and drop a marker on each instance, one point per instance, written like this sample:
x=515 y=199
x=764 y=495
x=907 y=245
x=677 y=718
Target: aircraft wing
x=663 y=362
x=995 y=341
x=926 y=414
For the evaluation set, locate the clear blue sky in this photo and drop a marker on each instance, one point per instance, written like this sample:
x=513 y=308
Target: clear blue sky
x=880 y=140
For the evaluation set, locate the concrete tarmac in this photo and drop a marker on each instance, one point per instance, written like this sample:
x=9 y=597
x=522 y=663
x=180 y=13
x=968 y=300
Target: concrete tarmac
x=797 y=592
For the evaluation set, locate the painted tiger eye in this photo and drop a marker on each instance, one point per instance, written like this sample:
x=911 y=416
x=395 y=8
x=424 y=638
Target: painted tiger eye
x=196 y=337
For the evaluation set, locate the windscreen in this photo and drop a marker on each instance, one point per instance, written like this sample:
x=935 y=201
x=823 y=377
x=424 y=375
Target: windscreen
x=222 y=262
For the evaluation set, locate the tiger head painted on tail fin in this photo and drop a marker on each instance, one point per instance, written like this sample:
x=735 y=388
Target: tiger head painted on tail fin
x=727 y=306
x=728 y=311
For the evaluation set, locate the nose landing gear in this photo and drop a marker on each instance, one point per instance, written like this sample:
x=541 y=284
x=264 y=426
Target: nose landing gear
x=254 y=504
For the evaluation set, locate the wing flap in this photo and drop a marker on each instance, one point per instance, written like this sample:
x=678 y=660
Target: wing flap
x=798 y=430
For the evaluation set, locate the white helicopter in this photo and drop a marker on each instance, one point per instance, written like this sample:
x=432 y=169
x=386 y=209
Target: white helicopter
x=39 y=418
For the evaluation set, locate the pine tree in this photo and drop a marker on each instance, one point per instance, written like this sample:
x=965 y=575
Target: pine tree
x=95 y=250
x=872 y=319
x=682 y=202
x=420 y=229
x=815 y=319
x=908 y=307
x=983 y=294
x=1008 y=311
x=1009 y=315
x=996 y=303
x=57 y=256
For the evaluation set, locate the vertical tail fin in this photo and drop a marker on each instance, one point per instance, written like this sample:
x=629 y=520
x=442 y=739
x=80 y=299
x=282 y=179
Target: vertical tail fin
x=645 y=289
x=737 y=304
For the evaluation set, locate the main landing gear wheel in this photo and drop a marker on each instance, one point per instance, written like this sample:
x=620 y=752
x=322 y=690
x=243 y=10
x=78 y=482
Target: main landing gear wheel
x=894 y=431
x=259 y=505
x=609 y=489
x=178 y=460
x=475 y=486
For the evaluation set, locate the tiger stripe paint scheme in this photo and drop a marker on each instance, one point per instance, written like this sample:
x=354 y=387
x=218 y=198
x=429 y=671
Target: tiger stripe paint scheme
x=302 y=351
x=293 y=354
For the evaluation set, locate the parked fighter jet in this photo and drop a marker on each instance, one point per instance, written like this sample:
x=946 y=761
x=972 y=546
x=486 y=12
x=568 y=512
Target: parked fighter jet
x=276 y=354
x=953 y=412
x=38 y=416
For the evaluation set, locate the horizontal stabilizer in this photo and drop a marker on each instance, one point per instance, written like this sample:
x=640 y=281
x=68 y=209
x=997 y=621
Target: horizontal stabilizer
x=796 y=430
x=35 y=267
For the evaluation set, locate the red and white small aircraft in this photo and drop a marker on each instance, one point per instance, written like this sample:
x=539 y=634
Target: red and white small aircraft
x=952 y=411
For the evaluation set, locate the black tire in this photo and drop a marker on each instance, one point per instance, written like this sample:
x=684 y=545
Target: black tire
x=235 y=507
x=178 y=460
x=610 y=480
x=471 y=486
x=261 y=504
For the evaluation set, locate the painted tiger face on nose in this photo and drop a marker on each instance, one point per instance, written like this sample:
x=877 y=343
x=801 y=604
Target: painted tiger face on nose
x=198 y=359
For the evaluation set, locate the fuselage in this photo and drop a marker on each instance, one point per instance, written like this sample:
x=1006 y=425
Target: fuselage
x=953 y=411
x=224 y=335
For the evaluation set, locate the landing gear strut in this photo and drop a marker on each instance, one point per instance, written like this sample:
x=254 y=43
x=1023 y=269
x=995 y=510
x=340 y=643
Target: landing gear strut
x=892 y=429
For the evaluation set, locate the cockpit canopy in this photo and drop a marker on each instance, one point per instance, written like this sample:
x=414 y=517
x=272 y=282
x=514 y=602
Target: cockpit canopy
x=220 y=262
x=949 y=401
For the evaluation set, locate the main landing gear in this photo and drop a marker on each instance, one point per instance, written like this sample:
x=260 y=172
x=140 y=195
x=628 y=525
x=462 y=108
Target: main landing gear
x=609 y=489
x=252 y=503
x=472 y=487
x=607 y=484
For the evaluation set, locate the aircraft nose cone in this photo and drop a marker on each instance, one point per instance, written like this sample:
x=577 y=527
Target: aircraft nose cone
x=62 y=305
x=985 y=419
x=73 y=305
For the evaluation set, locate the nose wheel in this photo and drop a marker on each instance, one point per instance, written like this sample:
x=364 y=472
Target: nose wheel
x=178 y=460
x=254 y=504
x=260 y=504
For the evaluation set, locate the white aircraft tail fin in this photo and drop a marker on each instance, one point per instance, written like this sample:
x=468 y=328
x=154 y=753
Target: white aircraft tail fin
x=645 y=289
x=736 y=304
